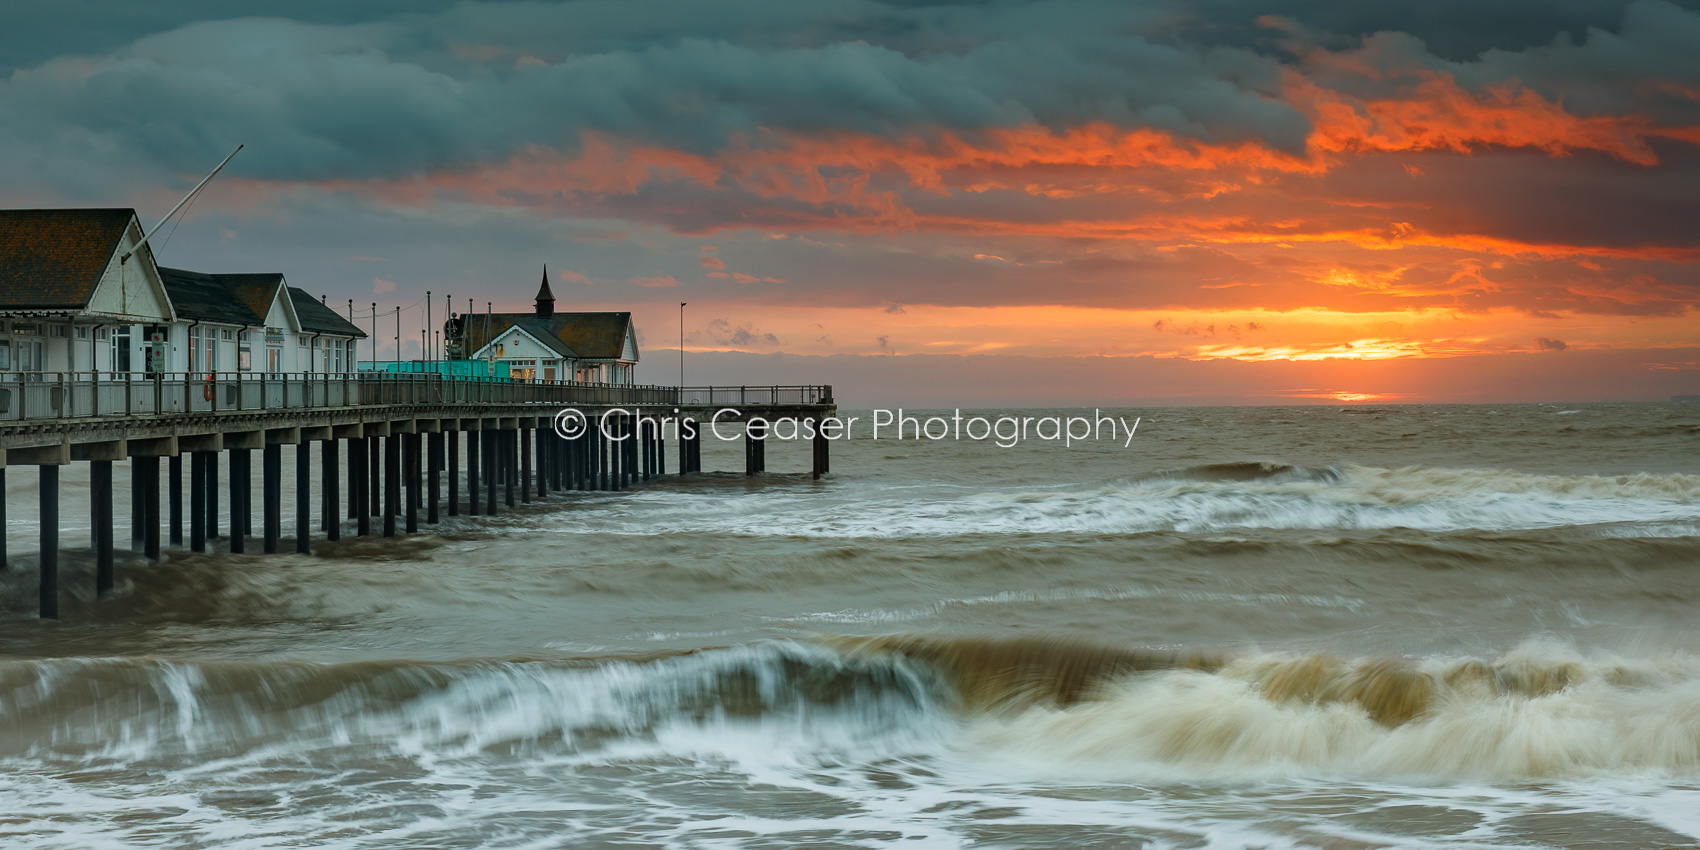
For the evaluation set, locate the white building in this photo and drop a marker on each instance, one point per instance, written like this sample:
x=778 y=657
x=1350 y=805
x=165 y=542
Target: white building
x=77 y=296
x=544 y=345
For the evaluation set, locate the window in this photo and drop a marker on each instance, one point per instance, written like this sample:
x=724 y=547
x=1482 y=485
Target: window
x=25 y=329
x=102 y=333
x=82 y=332
x=56 y=331
x=6 y=355
x=227 y=334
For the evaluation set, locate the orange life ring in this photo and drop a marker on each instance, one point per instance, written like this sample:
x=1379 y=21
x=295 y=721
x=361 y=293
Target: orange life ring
x=207 y=391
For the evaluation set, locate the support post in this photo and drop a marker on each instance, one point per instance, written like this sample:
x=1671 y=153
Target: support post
x=453 y=440
x=49 y=501
x=174 y=504
x=359 y=481
x=271 y=458
x=434 y=448
x=491 y=445
x=330 y=510
x=239 y=501
x=212 y=496
x=197 y=501
x=410 y=468
x=150 y=510
x=510 y=462
x=474 y=453
x=392 y=481
x=100 y=506
x=524 y=438
x=304 y=497
x=374 y=450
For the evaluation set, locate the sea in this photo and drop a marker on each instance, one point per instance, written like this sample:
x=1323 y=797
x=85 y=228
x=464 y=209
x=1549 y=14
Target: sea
x=1341 y=627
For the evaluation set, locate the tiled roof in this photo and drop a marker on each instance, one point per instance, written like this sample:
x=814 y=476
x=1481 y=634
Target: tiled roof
x=206 y=298
x=587 y=336
x=315 y=317
x=53 y=259
x=256 y=291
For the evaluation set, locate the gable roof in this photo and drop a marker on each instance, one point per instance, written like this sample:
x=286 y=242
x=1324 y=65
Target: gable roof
x=586 y=336
x=206 y=298
x=315 y=317
x=537 y=329
x=53 y=259
x=255 y=291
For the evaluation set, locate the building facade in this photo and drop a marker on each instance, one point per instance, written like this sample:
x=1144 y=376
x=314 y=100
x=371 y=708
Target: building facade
x=80 y=292
x=545 y=345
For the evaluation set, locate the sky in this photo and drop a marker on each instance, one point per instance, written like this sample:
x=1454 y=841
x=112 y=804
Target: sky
x=930 y=203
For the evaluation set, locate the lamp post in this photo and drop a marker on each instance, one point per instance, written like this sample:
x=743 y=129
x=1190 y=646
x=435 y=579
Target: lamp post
x=681 y=346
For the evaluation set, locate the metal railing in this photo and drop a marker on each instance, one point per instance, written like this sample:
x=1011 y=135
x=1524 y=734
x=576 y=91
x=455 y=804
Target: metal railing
x=71 y=395
x=755 y=395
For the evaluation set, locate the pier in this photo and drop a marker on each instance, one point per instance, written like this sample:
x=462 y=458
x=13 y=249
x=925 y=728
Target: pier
x=391 y=446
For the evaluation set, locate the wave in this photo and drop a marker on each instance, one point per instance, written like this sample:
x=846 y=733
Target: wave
x=1075 y=707
x=1198 y=499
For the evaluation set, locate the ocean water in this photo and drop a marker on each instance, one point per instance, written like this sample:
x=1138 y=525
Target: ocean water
x=1328 y=627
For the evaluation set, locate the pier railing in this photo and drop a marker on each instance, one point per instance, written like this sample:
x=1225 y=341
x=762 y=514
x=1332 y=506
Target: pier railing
x=69 y=395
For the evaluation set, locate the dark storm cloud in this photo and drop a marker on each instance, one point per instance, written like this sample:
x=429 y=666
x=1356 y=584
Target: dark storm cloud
x=355 y=91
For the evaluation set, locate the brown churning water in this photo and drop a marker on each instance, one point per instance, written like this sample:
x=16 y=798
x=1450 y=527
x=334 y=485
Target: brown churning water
x=1407 y=627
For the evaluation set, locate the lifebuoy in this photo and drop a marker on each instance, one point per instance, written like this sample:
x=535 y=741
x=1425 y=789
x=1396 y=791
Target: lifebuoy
x=207 y=391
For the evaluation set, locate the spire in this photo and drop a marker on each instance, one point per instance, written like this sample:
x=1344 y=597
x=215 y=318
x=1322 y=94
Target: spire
x=545 y=298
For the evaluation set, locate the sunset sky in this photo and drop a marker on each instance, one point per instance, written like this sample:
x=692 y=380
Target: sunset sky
x=960 y=203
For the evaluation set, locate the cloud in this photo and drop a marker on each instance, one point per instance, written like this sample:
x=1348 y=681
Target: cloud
x=1547 y=344
x=570 y=276
x=722 y=333
x=711 y=262
x=363 y=259
x=656 y=280
x=381 y=286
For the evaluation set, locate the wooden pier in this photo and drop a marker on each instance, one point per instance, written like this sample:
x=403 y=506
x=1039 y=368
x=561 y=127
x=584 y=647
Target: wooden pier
x=404 y=434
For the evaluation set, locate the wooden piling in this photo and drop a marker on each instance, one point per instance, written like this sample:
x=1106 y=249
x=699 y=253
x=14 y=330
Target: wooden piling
x=453 y=440
x=271 y=496
x=304 y=497
x=510 y=462
x=100 y=510
x=197 y=500
x=358 y=483
x=150 y=515
x=49 y=516
x=392 y=482
x=474 y=454
x=525 y=465
x=432 y=491
x=410 y=473
x=330 y=511
x=174 y=487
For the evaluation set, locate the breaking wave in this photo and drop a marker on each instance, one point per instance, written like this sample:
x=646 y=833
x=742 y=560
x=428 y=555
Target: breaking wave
x=1540 y=711
x=1204 y=499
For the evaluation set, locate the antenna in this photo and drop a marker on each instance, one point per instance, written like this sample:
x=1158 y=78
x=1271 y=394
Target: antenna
x=132 y=251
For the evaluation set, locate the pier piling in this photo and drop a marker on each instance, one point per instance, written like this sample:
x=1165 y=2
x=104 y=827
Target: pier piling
x=304 y=497
x=452 y=438
x=100 y=509
x=174 y=487
x=49 y=502
x=392 y=481
x=197 y=500
x=435 y=449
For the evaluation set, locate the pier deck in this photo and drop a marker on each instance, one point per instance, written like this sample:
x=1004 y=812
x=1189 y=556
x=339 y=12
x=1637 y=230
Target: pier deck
x=404 y=432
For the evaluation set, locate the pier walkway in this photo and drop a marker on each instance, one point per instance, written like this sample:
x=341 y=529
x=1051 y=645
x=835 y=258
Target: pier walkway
x=406 y=436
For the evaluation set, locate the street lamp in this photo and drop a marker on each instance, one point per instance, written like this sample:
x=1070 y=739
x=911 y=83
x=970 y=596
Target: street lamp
x=681 y=345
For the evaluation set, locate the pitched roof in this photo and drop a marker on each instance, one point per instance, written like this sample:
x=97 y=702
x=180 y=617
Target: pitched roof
x=53 y=259
x=206 y=298
x=315 y=317
x=589 y=336
x=256 y=291
x=537 y=328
